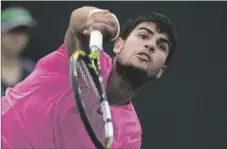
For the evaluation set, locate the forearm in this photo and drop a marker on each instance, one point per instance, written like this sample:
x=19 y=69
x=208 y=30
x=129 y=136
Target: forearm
x=74 y=39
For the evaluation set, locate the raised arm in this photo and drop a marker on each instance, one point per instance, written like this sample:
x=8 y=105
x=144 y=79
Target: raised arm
x=85 y=19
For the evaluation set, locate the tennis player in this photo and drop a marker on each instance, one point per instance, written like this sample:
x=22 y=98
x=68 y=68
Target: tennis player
x=41 y=113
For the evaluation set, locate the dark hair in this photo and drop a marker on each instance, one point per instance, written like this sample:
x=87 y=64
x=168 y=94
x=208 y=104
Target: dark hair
x=163 y=24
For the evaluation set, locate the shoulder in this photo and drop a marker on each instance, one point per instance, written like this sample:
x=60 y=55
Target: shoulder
x=129 y=132
x=134 y=114
x=127 y=111
x=55 y=61
x=47 y=84
x=44 y=82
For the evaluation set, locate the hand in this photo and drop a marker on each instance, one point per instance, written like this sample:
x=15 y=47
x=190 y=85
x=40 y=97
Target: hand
x=103 y=21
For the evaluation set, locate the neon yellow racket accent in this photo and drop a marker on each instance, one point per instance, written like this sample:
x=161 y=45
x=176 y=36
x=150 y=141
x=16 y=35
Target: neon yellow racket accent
x=109 y=143
x=78 y=53
x=75 y=73
x=94 y=54
x=100 y=78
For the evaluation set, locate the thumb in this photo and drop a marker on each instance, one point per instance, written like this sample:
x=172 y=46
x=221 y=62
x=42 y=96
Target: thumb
x=86 y=33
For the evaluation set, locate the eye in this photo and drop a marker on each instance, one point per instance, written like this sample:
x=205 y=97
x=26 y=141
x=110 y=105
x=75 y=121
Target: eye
x=162 y=47
x=144 y=37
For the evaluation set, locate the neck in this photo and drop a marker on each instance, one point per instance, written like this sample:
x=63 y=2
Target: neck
x=119 y=91
x=9 y=60
x=11 y=72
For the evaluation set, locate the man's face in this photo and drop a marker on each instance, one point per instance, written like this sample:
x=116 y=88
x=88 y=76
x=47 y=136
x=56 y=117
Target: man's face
x=145 y=49
x=14 y=43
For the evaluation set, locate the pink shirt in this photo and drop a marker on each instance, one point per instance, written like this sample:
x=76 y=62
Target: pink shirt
x=41 y=113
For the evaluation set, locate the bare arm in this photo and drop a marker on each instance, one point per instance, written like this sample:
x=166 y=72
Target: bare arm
x=74 y=38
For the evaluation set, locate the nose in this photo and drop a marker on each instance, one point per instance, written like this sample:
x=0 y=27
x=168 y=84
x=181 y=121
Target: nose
x=150 y=47
x=151 y=44
x=21 y=38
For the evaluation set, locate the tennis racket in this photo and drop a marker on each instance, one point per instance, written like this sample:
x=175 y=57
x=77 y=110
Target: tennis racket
x=90 y=96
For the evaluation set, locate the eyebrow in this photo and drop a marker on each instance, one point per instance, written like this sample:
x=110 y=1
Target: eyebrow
x=152 y=33
x=146 y=29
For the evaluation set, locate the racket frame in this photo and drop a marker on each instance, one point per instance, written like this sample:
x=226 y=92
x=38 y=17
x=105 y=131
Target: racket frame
x=91 y=61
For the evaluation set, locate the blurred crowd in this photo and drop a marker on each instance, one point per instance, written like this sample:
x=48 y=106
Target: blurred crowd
x=17 y=25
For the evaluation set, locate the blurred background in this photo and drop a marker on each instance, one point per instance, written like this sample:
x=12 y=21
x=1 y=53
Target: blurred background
x=186 y=108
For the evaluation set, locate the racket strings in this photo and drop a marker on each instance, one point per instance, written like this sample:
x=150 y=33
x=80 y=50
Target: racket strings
x=96 y=119
x=91 y=95
x=88 y=77
x=85 y=78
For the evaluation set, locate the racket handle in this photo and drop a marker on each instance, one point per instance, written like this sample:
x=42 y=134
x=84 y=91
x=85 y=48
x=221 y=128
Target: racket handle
x=96 y=40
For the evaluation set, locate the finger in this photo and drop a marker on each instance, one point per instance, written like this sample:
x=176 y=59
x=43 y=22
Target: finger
x=99 y=13
x=109 y=22
x=107 y=30
x=103 y=26
x=105 y=11
x=98 y=26
x=107 y=18
x=110 y=32
x=100 y=20
x=86 y=33
x=97 y=21
x=112 y=22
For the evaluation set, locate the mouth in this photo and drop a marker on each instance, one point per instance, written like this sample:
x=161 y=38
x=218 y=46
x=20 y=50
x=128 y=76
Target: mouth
x=144 y=56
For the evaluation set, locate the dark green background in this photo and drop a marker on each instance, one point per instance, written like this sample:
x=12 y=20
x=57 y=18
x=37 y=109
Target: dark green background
x=186 y=109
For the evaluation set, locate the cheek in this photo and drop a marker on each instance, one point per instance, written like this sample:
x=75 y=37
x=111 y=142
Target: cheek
x=124 y=56
x=159 y=59
x=9 y=43
x=6 y=40
x=130 y=47
x=23 y=42
x=127 y=51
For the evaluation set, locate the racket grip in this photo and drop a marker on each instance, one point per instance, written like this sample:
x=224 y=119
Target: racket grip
x=96 y=40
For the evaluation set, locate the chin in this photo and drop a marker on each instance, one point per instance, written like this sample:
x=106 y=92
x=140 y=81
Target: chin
x=133 y=72
x=140 y=67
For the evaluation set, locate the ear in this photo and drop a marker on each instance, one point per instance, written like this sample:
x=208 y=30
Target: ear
x=118 y=45
x=161 y=71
